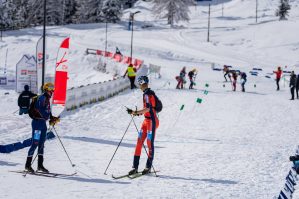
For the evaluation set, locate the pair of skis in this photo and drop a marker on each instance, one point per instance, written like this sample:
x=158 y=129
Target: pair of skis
x=133 y=176
x=43 y=174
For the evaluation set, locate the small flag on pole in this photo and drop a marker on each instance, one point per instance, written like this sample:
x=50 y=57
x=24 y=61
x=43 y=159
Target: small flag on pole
x=205 y=92
x=182 y=107
x=199 y=100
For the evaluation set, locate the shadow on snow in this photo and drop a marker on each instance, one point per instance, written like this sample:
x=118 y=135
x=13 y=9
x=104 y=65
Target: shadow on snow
x=215 y=181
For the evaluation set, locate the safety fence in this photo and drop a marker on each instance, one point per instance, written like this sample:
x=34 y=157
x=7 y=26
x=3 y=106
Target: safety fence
x=291 y=179
x=91 y=93
x=116 y=57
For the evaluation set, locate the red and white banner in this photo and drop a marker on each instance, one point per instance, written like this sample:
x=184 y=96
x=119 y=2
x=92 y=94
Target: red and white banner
x=61 y=77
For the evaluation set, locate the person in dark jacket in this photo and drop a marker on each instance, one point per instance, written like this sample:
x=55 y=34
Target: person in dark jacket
x=293 y=84
x=297 y=86
x=39 y=127
x=149 y=126
x=243 y=80
x=226 y=72
x=24 y=100
x=192 y=75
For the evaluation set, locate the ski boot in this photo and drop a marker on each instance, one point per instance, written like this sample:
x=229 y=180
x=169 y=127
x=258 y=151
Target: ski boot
x=40 y=166
x=28 y=165
x=133 y=171
x=146 y=171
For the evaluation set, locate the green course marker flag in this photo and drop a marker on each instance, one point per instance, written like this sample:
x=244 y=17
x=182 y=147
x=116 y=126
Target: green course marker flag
x=205 y=92
x=207 y=85
x=182 y=107
x=199 y=100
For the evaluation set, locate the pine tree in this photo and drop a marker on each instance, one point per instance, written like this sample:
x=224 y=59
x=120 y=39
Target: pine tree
x=35 y=13
x=54 y=12
x=2 y=14
x=9 y=9
x=88 y=11
x=111 y=10
x=21 y=15
x=283 y=9
x=70 y=8
x=173 y=10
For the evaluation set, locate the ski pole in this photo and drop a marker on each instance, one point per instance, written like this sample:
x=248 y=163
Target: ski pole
x=73 y=165
x=50 y=128
x=143 y=145
x=118 y=146
x=30 y=165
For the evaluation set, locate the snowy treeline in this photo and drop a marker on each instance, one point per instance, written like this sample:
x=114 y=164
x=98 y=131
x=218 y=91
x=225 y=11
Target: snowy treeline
x=27 y=13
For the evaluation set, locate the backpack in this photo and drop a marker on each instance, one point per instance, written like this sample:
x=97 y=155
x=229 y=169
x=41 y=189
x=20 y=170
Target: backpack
x=24 y=100
x=32 y=111
x=159 y=105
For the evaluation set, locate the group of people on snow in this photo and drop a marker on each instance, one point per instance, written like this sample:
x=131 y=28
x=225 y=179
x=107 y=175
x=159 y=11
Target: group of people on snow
x=38 y=108
x=181 y=79
x=233 y=77
x=40 y=112
x=294 y=82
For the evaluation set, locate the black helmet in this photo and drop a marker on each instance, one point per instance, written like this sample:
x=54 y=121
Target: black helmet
x=26 y=87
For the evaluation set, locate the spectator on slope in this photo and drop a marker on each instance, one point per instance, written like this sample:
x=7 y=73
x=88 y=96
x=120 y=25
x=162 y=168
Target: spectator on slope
x=235 y=76
x=278 y=76
x=40 y=113
x=117 y=51
x=297 y=86
x=181 y=79
x=149 y=125
x=292 y=84
x=226 y=72
x=24 y=100
x=131 y=71
x=243 y=80
x=192 y=74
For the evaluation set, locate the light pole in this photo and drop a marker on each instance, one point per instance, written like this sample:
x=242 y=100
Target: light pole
x=132 y=20
x=208 y=40
x=256 y=7
x=44 y=43
x=106 y=41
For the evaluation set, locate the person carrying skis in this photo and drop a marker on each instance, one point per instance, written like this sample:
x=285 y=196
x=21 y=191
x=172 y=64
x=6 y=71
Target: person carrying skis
x=41 y=112
x=235 y=76
x=181 y=78
x=192 y=75
x=292 y=84
x=226 y=72
x=24 y=100
x=148 y=128
x=243 y=80
x=131 y=71
x=278 y=76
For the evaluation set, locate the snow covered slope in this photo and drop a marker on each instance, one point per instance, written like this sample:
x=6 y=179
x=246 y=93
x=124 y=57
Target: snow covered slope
x=233 y=145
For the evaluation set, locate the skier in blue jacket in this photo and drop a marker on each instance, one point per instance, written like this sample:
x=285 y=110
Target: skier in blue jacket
x=40 y=114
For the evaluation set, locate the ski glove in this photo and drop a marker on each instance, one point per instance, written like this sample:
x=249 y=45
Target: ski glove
x=54 y=120
x=130 y=111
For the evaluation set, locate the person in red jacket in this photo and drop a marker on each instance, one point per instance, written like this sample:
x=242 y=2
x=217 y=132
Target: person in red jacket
x=148 y=128
x=278 y=76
